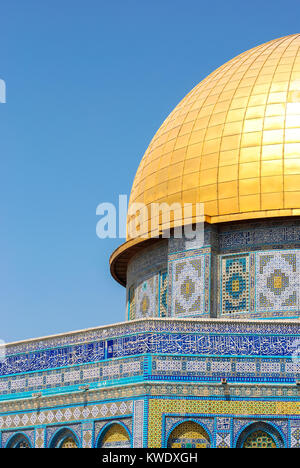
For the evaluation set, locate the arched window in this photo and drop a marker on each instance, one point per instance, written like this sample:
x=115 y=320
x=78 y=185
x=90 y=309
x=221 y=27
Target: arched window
x=69 y=442
x=189 y=434
x=64 y=438
x=259 y=439
x=115 y=436
x=260 y=435
x=19 y=441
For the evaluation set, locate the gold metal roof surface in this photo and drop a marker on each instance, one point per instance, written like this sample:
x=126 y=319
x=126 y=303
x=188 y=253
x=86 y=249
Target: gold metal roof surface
x=233 y=142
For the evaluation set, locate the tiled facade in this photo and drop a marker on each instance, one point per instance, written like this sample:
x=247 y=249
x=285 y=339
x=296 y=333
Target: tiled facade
x=248 y=271
x=191 y=367
x=163 y=372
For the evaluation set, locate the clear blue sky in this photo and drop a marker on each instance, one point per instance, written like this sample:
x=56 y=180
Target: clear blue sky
x=88 y=84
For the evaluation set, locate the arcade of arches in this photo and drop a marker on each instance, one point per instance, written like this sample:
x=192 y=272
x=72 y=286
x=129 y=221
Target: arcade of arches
x=188 y=434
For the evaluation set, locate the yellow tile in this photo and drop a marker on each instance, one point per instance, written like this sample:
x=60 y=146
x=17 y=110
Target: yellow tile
x=218 y=118
x=211 y=146
x=277 y=97
x=253 y=125
x=173 y=185
x=292 y=182
x=292 y=135
x=292 y=166
x=208 y=176
x=165 y=161
x=209 y=161
x=175 y=170
x=211 y=208
x=249 y=203
x=293 y=121
x=251 y=139
x=191 y=165
x=178 y=155
x=190 y=196
x=292 y=199
x=222 y=106
x=228 y=173
x=235 y=115
x=271 y=168
x=274 y=123
x=228 y=189
x=232 y=128
x=272 y=184
x=250 y=154
x=228 y=158
x=194 y=151
x=190 y=181
x=255 y=112
x=214 y=132
x=161 y=189
x=249 y=186
x=293 y=108
x=272 y=136
x=275 y=109
x=169 y=146
x=272 y=152
x=207 y=193
x=174 y=133
x=205 y=111
x=292 y=150
x=271 y=201
x=230 y=142
x=186 y=128
x=182 y=141
x=196 y=136
x=228 y=205
x=258 y=100
x=201 y=123
x=249 y=170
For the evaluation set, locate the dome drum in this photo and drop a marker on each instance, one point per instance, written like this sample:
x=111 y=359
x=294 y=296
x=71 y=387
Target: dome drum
x=248 y=270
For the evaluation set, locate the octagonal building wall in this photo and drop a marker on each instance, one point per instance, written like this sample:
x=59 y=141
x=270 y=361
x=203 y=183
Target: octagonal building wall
x=240 y=270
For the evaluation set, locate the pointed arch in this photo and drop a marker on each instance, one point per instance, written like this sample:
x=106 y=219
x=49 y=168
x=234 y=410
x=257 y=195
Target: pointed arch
x=114 y=435
x=188 y=434
x=18 y=440
x=260 y=434
x=64 y=438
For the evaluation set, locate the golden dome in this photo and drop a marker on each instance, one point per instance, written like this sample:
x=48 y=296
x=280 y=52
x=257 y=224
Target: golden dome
x=233 y=143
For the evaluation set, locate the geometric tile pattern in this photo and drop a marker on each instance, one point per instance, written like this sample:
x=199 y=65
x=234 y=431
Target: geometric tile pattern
x=89 y=373
x=223 y=440
x=188 y=287
x=295 y=435
x=233 y=368
x=235 y=284
x=163 y=306
x=188 y=435
x=64 y=415
x=259 y=439
x=145 y=299
x=138 y=423
x=87 y=434
x=39 y=437
x=277 y=280
x=275 y=414
x=131 y=303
